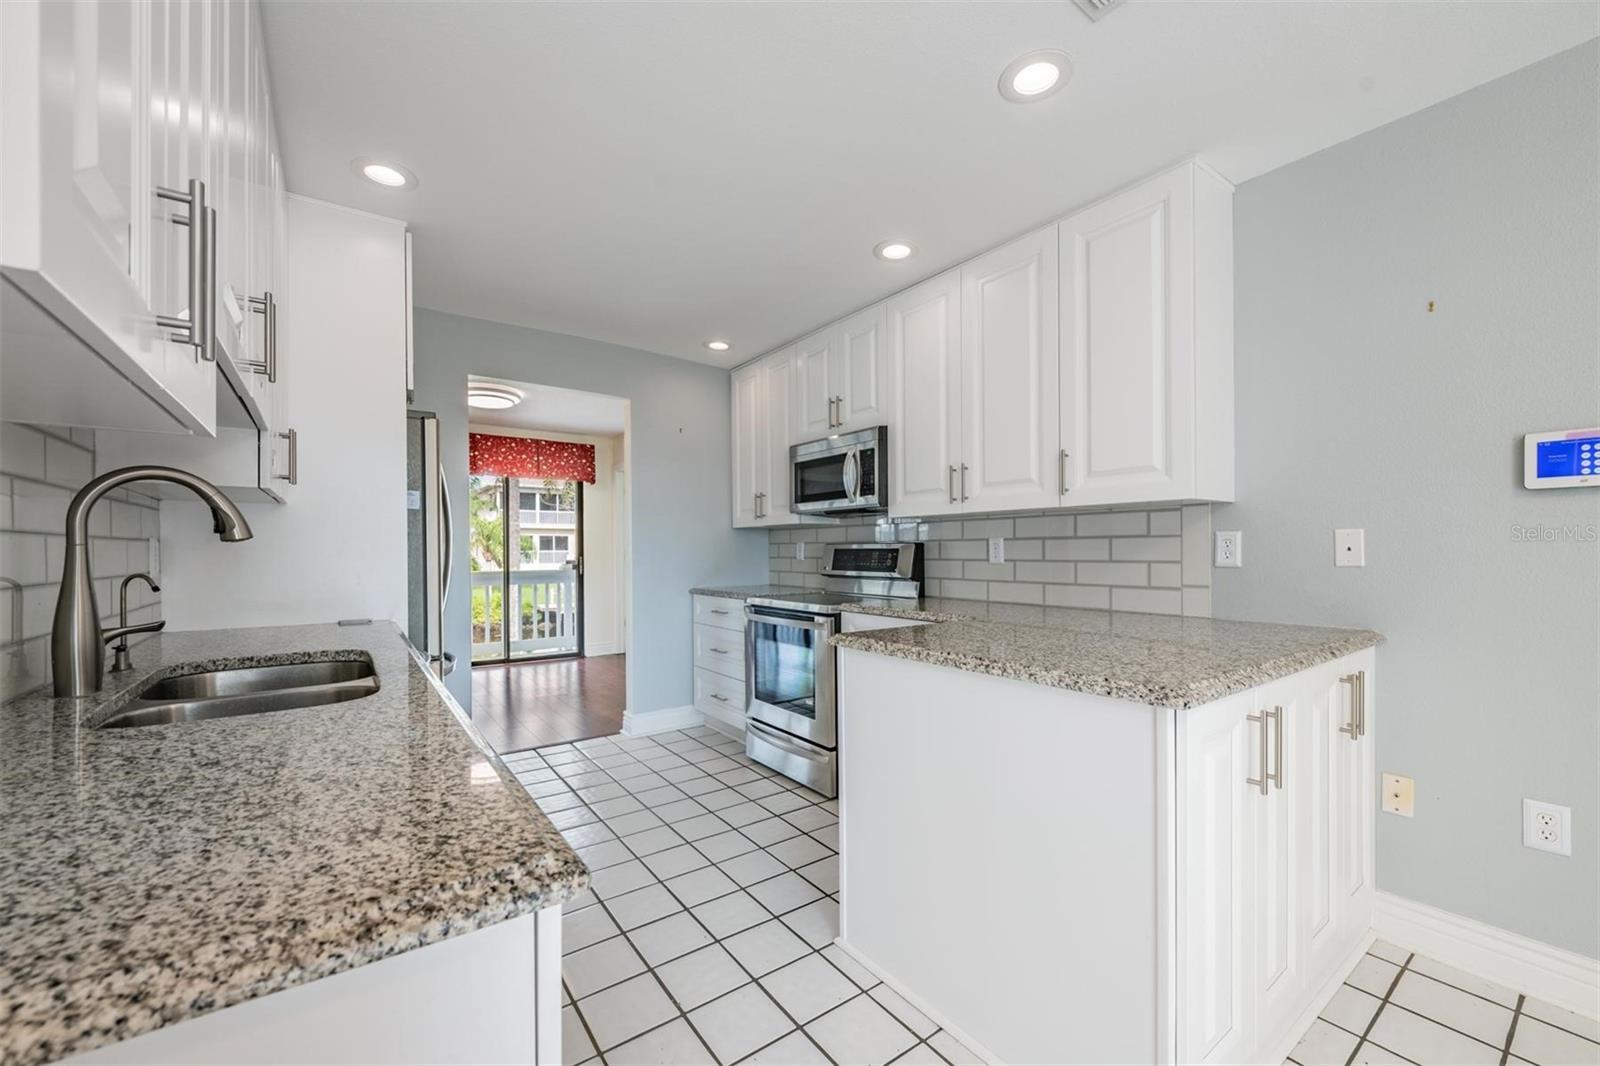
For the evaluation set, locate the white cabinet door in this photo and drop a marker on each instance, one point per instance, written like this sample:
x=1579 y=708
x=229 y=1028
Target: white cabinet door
x=856 y=371
x=1127 y=357
x=1010 y=395
x=924 y=356
x=749 y=444
x=814 y=404
x=1354 y=789
x=777 y=412
x=1218 y=748
x=1279 y=709
x=1315 y=765
x=229 y=186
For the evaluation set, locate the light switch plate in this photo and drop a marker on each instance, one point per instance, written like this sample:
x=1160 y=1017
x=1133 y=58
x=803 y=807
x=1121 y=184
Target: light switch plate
x=799 y=549
x=1399 y=795
x=1349 y=547
x=997 y=549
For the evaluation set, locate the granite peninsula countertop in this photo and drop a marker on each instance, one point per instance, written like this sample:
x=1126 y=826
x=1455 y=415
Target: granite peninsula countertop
x=154 y=874
x=1154 y=659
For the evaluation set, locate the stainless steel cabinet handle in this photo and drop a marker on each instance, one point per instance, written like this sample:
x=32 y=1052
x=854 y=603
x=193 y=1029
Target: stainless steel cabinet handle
x=953 y=484
x=1352 y=728
x=719 y=699
x=293 y=476
x=964 y=482
x=1262 y=781
x=445 y=541
x=715 y=611
x=719 y=651
x=838 y=411
x=265 y=306
x=1361 y=689
x=1275 y=719
x=196 y=330
x=1064 y=487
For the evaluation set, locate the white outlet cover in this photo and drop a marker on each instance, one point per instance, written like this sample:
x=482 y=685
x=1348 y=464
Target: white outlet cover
x=1546 y=826
x=997 y=549
x=799 y=549
x=1229 y=548
x=1349 y=547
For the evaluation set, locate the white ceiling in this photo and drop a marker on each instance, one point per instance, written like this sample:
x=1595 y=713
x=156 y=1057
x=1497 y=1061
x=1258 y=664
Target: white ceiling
x=656 y=174
x=554 y=410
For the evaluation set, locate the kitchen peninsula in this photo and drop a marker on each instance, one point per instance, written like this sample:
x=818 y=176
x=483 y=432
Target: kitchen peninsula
x=1148 y=838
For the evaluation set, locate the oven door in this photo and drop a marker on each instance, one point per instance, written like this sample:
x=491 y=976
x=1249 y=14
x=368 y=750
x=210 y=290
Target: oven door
x=788 y=672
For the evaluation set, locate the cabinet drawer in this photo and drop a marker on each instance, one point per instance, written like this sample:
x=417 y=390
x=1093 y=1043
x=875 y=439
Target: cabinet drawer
x=719 y=650
x=719 y=611
x=719 y=696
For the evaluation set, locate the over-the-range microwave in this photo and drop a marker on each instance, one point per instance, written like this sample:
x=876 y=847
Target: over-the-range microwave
x=844 y=474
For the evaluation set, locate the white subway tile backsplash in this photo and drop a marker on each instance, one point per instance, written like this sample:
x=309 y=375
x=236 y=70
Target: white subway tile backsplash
x=40 y=469
x=1129 y=559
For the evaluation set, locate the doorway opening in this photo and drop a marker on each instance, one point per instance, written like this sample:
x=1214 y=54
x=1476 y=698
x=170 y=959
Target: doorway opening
x=548 y=523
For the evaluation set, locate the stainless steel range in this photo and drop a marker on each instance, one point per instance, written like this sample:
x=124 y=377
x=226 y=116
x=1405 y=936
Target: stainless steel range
x=791 y=694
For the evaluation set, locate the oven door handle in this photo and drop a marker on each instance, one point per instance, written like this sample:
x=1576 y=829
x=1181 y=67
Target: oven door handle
x=785 y=743
x=819 y=623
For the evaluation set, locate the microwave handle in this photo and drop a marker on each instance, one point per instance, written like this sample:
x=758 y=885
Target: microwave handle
x=852 y=474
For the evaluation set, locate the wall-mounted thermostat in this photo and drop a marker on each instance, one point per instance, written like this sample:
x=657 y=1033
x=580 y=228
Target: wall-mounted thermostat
x=1562 y=459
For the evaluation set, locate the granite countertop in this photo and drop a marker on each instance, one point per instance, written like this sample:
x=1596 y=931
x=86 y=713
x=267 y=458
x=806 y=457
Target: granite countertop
x=154 y=874
x=745 y=592
x=1144 y=658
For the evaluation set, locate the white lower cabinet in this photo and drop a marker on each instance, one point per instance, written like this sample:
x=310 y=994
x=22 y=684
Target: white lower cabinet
x=1191 y=884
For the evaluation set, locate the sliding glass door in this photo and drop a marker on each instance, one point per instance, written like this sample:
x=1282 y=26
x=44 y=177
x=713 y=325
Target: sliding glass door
x=527 y=568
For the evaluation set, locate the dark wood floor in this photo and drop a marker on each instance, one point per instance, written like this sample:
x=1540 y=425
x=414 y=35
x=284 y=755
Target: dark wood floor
x=530 y=705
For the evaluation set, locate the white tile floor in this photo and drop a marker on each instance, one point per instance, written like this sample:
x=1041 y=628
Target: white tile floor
x=707 y=935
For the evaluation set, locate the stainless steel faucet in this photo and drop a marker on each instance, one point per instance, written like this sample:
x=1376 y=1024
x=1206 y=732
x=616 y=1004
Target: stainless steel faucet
x=77 y=643
x=122 y=660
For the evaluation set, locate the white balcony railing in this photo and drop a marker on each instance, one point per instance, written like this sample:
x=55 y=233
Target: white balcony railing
x=547 y=621
x=530 y=518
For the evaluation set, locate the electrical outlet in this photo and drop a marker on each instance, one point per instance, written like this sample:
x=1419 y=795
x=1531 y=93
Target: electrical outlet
x=1230 y=547
x=799 y=549
x=155 y=558
x=997 y=549
x=1546 y=826
x=1399 y=795
x=1349 y=547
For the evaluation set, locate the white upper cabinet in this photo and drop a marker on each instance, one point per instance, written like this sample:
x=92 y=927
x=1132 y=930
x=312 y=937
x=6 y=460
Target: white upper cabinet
x=113 y=110
x=749 y=444
x=840 y=380
x=924 y=349
x=1010 y=418
x=780 y=413
x=1147 y=343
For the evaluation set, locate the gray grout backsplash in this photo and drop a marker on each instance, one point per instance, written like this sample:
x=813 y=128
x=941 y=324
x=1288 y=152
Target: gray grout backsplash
x=40 y=469
x=1156 y=559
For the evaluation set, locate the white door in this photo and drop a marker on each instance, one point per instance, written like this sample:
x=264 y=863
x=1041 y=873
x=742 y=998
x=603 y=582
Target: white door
x=229 y=187
x=1010 y=395
x=1280 y=709
x=1218 y=748
x=856 y=371
x=1354 y=787
x=815 y=410
x=1127 y=358
x=749 y=452
x=924 y=357
x=777 y=411
x=1315 y=762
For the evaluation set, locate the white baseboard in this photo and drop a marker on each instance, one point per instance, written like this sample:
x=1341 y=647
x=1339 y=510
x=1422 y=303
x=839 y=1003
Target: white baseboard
x=1562 y=977
x=921 y=1004
x=644 y=723
x=611 y=648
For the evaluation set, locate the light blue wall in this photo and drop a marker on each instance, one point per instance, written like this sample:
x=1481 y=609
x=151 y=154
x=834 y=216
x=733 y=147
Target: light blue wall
x=1357 y=407
x=678 y=476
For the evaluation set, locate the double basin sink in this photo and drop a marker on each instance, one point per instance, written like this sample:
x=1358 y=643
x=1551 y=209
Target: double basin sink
x=207 y=694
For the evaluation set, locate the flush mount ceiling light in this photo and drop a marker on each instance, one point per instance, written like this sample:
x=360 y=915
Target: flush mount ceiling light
x=492 y=397
x=894 y=250
x=389 y=175
x=1035 y=75
x=718 y=346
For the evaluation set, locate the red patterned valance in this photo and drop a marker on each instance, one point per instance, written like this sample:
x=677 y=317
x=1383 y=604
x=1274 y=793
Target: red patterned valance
x=530 y=457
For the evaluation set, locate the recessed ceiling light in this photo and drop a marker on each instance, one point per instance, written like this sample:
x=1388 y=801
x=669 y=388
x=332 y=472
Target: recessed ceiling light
x=389 y=175
x=718 y=346
x=492 y=397
x=892 y=250
x=1035 y=76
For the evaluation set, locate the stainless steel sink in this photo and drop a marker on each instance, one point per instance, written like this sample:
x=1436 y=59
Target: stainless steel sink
x=246 y=690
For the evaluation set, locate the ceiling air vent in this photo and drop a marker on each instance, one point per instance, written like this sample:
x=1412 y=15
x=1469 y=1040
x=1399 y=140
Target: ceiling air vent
x=1097 y=9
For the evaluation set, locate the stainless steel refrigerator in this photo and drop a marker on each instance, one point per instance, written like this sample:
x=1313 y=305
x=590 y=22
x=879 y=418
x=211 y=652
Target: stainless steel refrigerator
x=427 y=541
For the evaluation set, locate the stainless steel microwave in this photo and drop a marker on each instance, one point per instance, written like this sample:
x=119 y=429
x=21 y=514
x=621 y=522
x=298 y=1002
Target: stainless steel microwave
x=844 y=474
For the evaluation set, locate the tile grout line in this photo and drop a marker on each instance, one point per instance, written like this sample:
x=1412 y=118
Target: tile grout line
x=1511 y=1033
x=1372 y=1021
